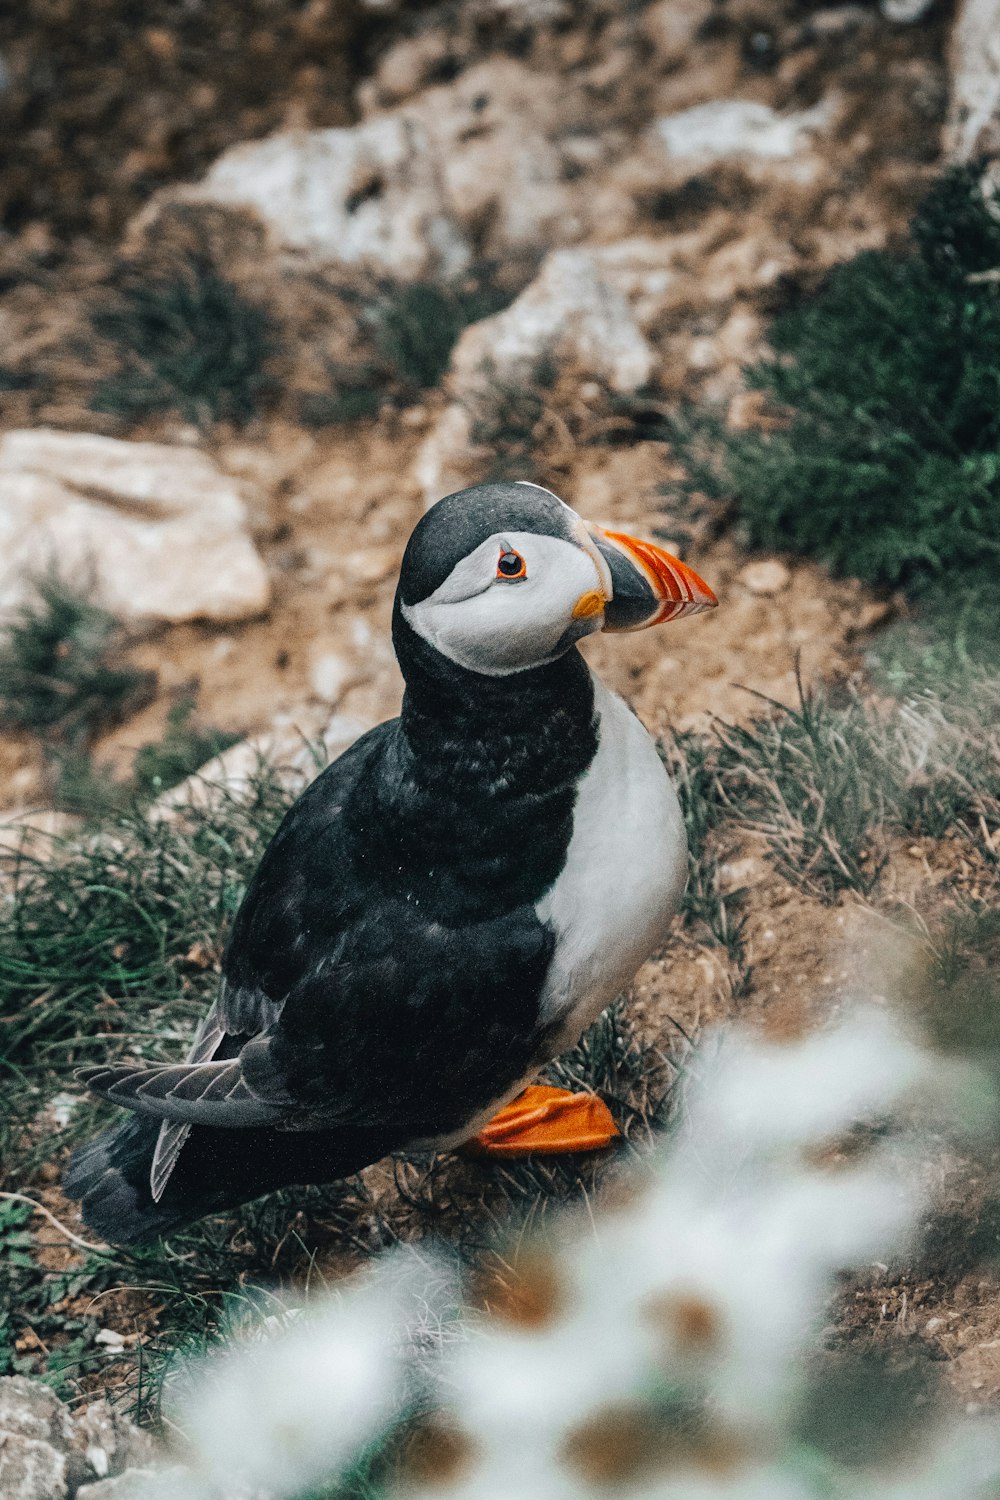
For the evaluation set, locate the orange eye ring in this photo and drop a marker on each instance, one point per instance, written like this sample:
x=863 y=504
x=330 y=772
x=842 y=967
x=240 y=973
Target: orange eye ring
x=511 y=566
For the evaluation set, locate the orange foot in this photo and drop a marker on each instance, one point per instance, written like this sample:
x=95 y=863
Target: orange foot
x=546 y=1120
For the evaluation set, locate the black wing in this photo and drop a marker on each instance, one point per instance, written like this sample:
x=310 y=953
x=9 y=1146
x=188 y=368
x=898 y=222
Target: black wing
x=355 y=992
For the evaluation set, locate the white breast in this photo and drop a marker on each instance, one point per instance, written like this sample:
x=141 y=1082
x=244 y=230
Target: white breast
x=625 y=871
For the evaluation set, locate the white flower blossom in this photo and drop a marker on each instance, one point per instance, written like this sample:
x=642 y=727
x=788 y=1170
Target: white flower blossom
x=280 y=1414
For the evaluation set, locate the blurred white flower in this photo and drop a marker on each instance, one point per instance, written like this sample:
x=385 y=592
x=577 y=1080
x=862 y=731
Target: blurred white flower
x=760 y=1098
x=283 y=1413
x=656 y=1352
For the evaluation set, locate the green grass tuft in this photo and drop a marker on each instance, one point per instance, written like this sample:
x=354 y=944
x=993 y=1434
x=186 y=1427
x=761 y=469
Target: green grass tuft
x=188 y=342
x=506 y=419
x=185 y=747
x=417 y=324
x=826 y=783
x=882 y=458
x=62 y=674
x=411 y=329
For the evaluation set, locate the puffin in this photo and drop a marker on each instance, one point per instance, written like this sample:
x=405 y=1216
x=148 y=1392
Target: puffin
x=446 y=907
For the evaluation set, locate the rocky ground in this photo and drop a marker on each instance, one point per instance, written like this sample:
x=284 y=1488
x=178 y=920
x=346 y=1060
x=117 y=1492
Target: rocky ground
x=641 y=186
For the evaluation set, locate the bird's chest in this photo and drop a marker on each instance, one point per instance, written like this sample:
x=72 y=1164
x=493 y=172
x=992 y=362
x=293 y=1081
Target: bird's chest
x=623 y=875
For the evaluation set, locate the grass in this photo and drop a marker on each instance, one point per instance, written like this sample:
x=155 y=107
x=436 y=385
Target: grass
x=188 y=342
x=186 y=746
x=506 y=418
x=878 y=452
x=827 y=783
x=112 y=949
x=63 y=676
x=410 y=331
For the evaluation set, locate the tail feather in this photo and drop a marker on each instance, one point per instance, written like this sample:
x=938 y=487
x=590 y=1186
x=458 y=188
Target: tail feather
x=110 y=1178
x=216 y=1169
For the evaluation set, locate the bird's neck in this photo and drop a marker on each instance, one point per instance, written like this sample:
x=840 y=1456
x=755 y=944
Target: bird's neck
x=531 y=729
x=482 y=780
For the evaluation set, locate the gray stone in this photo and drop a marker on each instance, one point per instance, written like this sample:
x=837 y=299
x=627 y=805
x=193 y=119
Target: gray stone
x=170 y=1483
x=744 y=133
x=973 y=125
x=31 y=1469
x=570 y=315
x=35 y=1434
x=297 y=747
x=156 y=532
x=105 y=1443
x=496 y=135
x=364 y=195
x=32 y=1410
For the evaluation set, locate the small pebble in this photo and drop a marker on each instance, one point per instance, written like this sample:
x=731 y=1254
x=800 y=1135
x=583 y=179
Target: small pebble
x=767 y=577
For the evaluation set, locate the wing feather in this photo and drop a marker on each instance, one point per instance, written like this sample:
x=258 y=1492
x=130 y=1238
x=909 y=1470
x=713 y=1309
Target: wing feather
x=210 y=1093
x=173 y=1134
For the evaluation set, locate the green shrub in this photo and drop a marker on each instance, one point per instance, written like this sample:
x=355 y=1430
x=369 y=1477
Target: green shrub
x=417 y=325
x=884 y=458
x=62 y=674
x=188 y=342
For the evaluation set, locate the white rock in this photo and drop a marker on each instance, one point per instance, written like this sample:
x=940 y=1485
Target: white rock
x=905 y=12
x=494 y=132
x=330 y=675
x=298 y=749
x=569 y=314
x=405 y=68
x=973 y=124
x=368 y=194
x=446 y=458
x=35 y=1434
x=767 y=577
x=35 y=832
x=673 y=25
x=157 y=532
x=642 y=270
x=741 y=131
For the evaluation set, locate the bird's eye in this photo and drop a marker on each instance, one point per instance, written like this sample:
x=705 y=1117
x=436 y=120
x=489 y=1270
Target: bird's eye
x=511 y=565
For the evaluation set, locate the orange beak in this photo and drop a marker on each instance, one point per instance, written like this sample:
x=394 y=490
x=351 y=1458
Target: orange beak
x=648 y=585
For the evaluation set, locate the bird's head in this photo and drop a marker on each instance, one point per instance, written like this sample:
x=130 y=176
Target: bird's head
x=503 y=577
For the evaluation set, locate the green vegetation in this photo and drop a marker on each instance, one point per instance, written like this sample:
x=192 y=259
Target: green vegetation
x=828 y=783
x=416 y=325
x=65 y=678
x=188 y=342
x=506 y=418
x=62 y=675
x=185 y=747
x=880 y=454
x=113 y=949
x=411 y=329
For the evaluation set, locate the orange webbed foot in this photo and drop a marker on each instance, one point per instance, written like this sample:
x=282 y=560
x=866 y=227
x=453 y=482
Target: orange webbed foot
x=549 y=1121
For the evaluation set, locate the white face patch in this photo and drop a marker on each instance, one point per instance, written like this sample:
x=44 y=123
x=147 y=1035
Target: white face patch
x=496 y=625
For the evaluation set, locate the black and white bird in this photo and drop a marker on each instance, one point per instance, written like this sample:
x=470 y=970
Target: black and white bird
x=448 y=905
